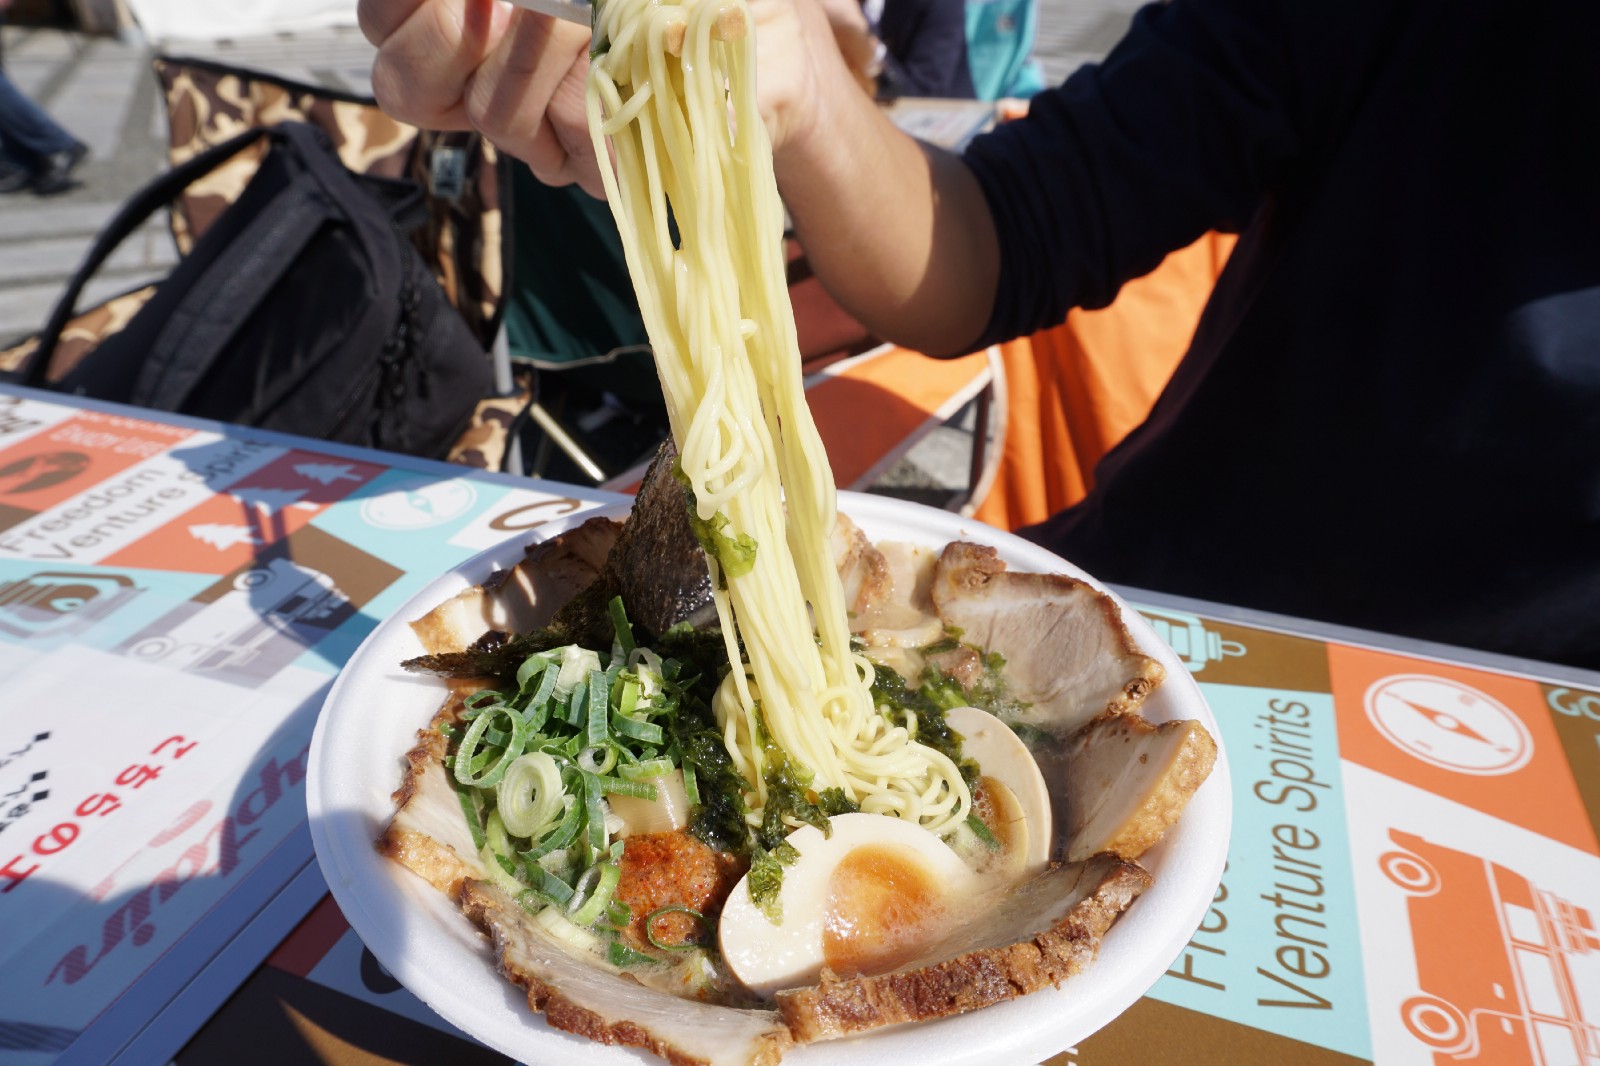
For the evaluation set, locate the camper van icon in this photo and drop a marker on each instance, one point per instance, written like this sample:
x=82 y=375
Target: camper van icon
x=1509 y=973
x=58 y=602
x=271 y=611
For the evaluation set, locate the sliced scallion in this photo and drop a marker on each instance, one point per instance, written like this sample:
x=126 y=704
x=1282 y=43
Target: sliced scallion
x=547 y=886
x=529 y=795
x=565 y=832
x=600 y=759
x=620 y=954
x=594 y=814
x=642 y=771
x=469 y=807
x=593 y=893
x=633 y=729
x=467 y=765
x=982 y=832
x=599 y=701
x=624 y=628
x=617 y=786
x=650 y=927
x=618 y=914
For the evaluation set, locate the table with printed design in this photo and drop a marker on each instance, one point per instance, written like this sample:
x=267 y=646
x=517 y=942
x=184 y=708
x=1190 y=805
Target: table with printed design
x=1413 y=873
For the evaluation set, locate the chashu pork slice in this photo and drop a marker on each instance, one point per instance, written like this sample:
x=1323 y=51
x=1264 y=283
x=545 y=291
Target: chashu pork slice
x=1068 y=654
x=580 y=996
x=428 y=834
x=577 y=993
x=525 y=597
x=1037 y=932
x=862 y=570
x=888 y=588
x=1127 y=781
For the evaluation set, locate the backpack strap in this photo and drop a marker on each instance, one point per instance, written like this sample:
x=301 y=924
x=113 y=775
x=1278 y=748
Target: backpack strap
x=158 y=193
x=233 y=267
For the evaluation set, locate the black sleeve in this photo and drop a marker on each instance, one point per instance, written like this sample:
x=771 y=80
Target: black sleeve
x=926 y=42
x=1200 y=112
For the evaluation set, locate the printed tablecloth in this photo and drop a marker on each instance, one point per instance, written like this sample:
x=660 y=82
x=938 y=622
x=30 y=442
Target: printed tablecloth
x=1413 y=879
x=175 y=600
x=1413 y=876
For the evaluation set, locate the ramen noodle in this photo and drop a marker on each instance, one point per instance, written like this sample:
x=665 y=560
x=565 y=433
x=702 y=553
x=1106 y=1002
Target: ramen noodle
x=673 y=88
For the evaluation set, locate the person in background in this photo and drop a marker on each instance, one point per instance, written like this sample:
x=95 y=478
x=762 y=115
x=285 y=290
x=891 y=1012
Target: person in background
x=1389 y=414
x=900 y=48
x=1000 y=39
x=35 y=152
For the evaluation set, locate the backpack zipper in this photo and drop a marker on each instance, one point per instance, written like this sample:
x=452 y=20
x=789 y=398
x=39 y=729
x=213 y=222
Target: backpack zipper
x=385 y=380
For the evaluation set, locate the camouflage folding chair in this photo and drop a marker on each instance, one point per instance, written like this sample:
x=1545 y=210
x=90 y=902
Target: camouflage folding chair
x=462 y=175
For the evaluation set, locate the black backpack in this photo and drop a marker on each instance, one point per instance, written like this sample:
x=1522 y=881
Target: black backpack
x=303 y=308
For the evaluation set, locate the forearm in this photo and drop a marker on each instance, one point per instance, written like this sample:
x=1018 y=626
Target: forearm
x=898 y=232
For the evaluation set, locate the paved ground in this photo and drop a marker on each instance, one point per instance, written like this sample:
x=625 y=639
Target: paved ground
x=103 y=90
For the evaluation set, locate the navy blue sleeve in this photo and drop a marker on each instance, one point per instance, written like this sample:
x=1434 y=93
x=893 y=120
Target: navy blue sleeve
x=1203 y=110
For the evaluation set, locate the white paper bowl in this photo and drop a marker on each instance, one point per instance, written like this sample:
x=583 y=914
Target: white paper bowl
x=375 y=708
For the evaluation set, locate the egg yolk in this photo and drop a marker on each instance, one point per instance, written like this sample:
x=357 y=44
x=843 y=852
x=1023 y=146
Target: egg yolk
x=883 y=905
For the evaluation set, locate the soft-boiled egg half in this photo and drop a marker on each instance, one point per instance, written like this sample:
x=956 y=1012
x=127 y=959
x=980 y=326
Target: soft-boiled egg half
x=871 y=896
x=864 y=899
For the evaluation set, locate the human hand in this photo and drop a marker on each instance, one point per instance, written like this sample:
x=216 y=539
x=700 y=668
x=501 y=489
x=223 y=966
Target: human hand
x=853 y=34
x=518 y=77
x=515 y=76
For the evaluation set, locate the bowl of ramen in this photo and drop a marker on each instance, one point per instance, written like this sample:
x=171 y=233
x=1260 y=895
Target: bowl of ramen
x=750 y=770
x=599 y=926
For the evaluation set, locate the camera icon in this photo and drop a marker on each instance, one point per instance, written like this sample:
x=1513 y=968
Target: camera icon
x=52 y=603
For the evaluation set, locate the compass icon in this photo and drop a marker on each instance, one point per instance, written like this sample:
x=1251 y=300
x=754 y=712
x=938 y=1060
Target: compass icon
x=1449 y=725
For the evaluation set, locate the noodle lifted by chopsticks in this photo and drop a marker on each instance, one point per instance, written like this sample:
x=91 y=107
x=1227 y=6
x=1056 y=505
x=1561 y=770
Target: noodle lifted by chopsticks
x=677 y=100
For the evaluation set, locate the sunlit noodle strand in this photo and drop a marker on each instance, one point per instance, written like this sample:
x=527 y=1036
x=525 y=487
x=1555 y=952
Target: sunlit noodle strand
x=685 y=131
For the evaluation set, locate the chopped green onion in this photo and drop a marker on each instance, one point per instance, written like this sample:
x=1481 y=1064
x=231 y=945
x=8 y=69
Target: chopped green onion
x=547 y=886
x=534 y=666
x=618 y=914
x=593 y=893
x=691 y=783
x=536 y=716
x=469 y=807
x=576 y=666
x=599 y=699
x=633 y=729
x=619 y=620
x=497 y=738
x=482 y=699
x=630 y=695
x=577 y=701
x=598 y=759
x=616 y=786
x=494 y=834
x=466 y=766
x=594 y=813
x=530 y=793
x=565 y=832
x=642 y=771
x=547 y=689
x=650 y=927
x=981 y=831
x=500 y=871
x=620 y=954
